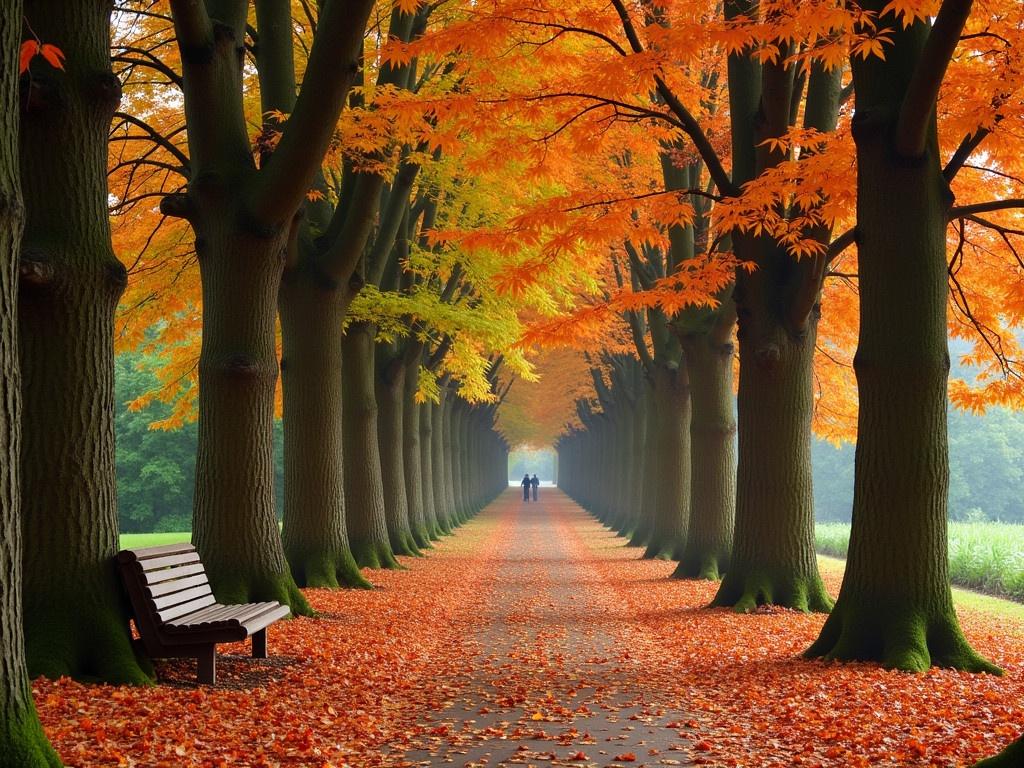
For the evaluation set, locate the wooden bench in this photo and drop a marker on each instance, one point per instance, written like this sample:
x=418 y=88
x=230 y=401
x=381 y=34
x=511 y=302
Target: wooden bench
x=176 y=613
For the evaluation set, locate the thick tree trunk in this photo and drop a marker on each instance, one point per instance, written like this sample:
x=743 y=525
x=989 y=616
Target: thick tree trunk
x=236 y=529
x=412 y=453
x=390 y=390
x=672 y=463
x=624 y=440
x=895 y=605
x=76 y=622
x=427 y=470
x=713 y=459
x=773 y=559
x=22 y=741
x=314 y=533
x=364 y=491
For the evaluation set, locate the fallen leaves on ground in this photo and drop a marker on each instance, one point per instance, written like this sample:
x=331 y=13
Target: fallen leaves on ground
x=534 y=637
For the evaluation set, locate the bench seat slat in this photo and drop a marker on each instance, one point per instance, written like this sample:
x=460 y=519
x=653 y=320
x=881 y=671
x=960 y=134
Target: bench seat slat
x=145 y=553
x=220 y=615
x=265 y=619
x=184 y=609
x=158 y=577
x=156 y=563
x=176 y=585
x=184 y=596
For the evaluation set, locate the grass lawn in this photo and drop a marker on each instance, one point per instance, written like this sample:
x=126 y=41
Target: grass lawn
x=994 y=606
x=133 y=540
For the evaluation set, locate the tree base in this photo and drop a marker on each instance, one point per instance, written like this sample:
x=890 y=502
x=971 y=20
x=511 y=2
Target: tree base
x=702 y=566
x=405 y=544
x=641 y=537
x=375 y=555
x=235 y=587
x=421 y=537
x=1011 y=757
x=898 y=638
x=745 y=591
x=23 y=743
x=86 y=640
x=326 y=570
x=657 y=550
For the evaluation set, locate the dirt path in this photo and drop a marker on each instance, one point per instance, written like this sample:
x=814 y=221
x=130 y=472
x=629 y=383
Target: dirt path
x=550 y=684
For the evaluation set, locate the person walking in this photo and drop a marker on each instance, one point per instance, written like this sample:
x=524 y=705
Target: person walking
x=526 y=486
x=536 y=484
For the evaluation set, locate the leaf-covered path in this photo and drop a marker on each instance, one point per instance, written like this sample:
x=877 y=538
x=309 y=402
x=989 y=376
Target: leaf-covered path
x=534 y=637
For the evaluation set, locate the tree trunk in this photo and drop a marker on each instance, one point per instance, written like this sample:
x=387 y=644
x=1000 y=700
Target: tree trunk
x=412 y=459
x=442 y=510
x=895 y=605
x=427 y=469
x=773 y=559
x=22 y=741
x=648 y=473
x=713 y=459
x=390 y=390
x=76 y=621
x=448 y=448
x=1011 y=757
x=364 y=491
x=236 y=529
x=672 y=463
x=314 y=533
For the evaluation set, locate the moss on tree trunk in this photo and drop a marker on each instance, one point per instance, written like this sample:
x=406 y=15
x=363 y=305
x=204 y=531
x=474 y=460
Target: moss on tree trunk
x=314 y=533
x=713 y=459
x=76 y=621
x=1011 y=757
x=364 y=492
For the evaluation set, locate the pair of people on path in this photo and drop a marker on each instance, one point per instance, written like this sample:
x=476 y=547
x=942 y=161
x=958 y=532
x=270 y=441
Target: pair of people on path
x=529 y=483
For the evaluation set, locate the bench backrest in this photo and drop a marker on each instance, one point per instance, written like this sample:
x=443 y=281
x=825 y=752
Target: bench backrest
x=164 y=583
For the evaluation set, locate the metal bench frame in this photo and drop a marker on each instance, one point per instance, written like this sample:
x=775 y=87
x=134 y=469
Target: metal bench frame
x=177 y=615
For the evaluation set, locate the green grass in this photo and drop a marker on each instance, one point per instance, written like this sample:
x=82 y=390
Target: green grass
x=133 y=540
x=988 y=557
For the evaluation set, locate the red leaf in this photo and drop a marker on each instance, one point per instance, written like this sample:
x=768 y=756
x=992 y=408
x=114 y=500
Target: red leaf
x=29 y=48
x=53 y=54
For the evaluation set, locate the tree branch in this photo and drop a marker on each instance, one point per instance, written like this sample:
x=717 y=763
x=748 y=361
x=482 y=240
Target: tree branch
x=923 y=91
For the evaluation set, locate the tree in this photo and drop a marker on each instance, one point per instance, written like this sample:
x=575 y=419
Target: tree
x=895 y=605
x=245 y=219
x=22 y=741
x=75 y=620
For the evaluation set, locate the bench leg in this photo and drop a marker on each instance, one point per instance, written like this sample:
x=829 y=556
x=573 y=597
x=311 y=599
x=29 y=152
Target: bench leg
x=208 y=666
x=259 y=644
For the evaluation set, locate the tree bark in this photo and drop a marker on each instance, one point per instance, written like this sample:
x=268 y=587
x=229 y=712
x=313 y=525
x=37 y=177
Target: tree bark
x=412 y=451
x=427 y=469
x=235 y=528
x=773 y=559
x=76 y=622
x=648 y=474
x=390 y=392
x=364 y=490
x=22 y=741
x=314 y=535
x=713 y=459
x=442 y=509
x=895 y=605
x=671 y=459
